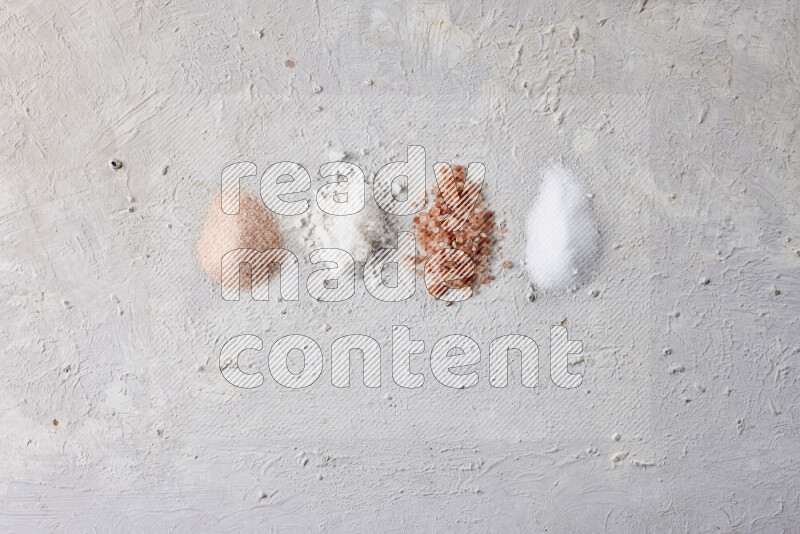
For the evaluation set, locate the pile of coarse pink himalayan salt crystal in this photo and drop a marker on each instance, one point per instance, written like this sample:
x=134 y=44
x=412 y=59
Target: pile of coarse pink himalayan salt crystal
x=475 y=237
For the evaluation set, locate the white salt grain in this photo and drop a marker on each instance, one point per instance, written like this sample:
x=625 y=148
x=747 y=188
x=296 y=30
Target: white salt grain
x=563 y=238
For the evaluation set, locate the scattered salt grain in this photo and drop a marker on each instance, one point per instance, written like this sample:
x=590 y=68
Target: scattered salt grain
x=531 y=295
x=336 y=155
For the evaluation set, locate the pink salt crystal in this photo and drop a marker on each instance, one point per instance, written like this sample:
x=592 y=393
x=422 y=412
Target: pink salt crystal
x=253 y=227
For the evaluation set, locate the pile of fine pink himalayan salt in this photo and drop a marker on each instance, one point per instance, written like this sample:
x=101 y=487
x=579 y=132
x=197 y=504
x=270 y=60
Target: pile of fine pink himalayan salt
x=253 y=227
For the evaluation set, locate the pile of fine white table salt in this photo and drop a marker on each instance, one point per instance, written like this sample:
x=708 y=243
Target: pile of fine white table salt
x=562 y=234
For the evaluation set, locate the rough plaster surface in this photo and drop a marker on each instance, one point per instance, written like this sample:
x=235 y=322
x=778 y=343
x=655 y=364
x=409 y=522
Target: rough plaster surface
x=681 y=117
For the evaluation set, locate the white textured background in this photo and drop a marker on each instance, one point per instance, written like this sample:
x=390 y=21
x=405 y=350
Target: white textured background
x=109 y=327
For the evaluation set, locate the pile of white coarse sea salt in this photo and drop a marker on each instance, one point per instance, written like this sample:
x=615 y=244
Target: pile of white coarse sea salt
x=359 y=234
x=562 y=233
